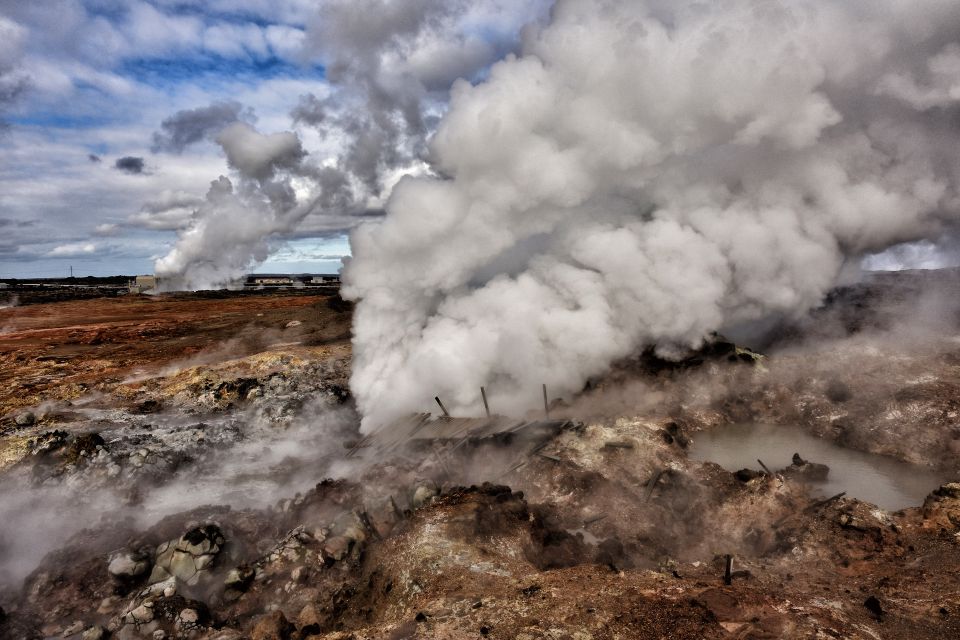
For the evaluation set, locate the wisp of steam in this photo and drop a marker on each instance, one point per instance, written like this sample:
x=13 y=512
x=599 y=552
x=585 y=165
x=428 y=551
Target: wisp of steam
x=646 y=172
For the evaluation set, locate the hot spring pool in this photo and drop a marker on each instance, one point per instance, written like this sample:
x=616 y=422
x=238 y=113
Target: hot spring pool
x=885 y=482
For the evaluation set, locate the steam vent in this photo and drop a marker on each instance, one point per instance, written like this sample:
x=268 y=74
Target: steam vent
x=508 y=320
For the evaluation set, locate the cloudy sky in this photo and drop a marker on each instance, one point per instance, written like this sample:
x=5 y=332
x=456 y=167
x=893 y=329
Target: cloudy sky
x=118 y=115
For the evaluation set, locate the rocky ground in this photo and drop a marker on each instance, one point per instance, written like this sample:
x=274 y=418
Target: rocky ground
x=180 y=467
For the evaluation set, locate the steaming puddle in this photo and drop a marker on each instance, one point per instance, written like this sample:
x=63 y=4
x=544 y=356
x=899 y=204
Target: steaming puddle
x=885 y=482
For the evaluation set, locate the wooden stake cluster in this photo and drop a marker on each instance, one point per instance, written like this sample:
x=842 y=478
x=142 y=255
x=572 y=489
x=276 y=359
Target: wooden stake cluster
x=486 y=404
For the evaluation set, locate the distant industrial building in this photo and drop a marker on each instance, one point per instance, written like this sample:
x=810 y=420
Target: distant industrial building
x=282 y=280
x=142 y=284
x=148 y=283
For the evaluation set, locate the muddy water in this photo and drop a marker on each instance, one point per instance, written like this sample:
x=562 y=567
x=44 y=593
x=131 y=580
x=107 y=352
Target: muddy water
x=883 y=481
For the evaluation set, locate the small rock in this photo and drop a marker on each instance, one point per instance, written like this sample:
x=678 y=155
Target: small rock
x=293 y=323
x=299 y=574
x=189 y=616
x=108 y=604
x=239 y=579
x=806 y=470
x=141 y=614
x=273 y=626
x=73 y=629
x=422 y=495
x=127 y=565
x=310 y=621
x=159 y=634
x=25 y=419
x=337 y=547
x=94 y=633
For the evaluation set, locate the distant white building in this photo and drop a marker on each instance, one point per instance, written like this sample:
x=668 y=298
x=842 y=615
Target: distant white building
x=142 y=284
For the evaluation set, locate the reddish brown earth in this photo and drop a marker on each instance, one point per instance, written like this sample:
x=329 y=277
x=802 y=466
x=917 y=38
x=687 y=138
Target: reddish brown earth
x=62 y=350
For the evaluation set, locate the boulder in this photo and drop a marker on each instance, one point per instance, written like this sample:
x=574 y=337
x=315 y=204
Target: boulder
x=942 y=507
x=189 y=557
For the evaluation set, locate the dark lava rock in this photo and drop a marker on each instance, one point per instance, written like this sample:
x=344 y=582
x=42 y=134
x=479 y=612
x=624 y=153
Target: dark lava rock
x=806 y=470
x=148 y=406
x=873 y=606
x=746 y=475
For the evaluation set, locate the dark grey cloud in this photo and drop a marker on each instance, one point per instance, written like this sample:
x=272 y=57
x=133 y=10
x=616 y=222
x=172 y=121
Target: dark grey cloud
x=94 y=158
x=259 y=156
x=309 y=111
x=129 y=164
x=13 y=82
x=194 y=125
x=8 y=222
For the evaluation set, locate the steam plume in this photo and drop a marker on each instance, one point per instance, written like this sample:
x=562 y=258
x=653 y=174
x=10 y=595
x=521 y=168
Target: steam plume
x=645 y=172
x=390 y=65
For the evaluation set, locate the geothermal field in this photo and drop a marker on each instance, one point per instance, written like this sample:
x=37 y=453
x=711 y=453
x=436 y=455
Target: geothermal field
x=193 y=466
x=467 y=319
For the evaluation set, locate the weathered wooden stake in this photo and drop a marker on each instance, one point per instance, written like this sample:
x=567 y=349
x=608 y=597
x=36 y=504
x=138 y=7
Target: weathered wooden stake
x=728 y=574
x=653 y=483
x=442 y=408
x=769 y=473
x=546 y=406
x=396 y=510
x=486 y=407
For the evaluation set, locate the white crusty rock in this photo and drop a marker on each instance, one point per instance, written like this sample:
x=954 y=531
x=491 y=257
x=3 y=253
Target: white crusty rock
x=188 y=557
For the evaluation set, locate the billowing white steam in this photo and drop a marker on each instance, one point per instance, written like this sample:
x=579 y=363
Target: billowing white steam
x=233 y=229
x=645 y=172
x=389 y=65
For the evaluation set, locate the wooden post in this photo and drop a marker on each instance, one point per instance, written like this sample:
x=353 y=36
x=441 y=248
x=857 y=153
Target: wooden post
x=728 y=573
x=486 y=407
x=546 y=405
x=442 y=408
x=769 y=473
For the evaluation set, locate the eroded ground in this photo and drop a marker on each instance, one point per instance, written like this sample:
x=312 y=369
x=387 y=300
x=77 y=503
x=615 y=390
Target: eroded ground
x=189 y=468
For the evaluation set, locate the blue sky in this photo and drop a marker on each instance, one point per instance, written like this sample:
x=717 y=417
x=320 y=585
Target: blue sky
x=98 y=79
x=86 y=84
